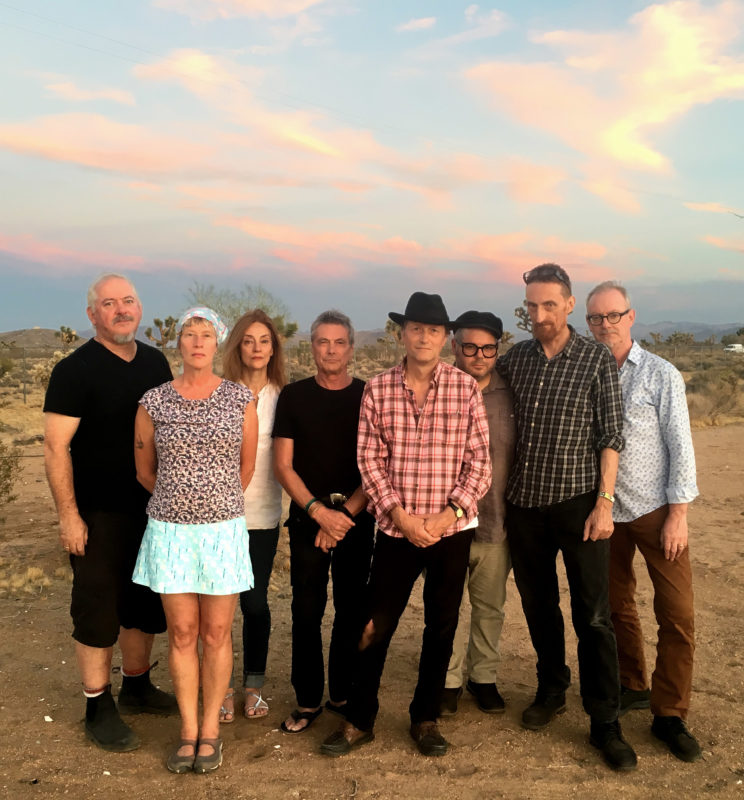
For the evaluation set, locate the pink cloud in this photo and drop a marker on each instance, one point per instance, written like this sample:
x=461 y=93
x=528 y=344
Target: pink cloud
x=528 y=182
x=608 y=93
x=232 y=9
x=62 y=255
x=419 y=24
x=713 y=208
x=70 y=91
x=95 y=141
x=736 y=244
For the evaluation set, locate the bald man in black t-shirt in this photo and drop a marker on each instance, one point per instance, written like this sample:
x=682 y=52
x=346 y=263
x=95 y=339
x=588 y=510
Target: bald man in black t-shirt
x=89 y=414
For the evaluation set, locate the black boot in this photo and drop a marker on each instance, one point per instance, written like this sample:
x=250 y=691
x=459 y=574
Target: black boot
x=105 y=727
x=139 y=696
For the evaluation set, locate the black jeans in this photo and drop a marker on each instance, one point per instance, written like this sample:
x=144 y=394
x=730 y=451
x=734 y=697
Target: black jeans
x=395 y=567
x=535 y=537
x=309 y=566
x=255 y=606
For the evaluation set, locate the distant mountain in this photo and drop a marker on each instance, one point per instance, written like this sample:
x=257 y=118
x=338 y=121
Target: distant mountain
x=44 y=337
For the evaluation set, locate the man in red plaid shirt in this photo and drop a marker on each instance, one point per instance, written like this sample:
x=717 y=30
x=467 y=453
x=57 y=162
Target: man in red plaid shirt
x=423 y=455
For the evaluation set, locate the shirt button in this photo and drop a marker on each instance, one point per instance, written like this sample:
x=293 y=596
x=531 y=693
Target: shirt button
x=532 y=424
x=526 y=463
x=537 y=404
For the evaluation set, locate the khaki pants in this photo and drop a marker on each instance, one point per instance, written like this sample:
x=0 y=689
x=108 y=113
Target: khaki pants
x=487 y=573
x=671 y=682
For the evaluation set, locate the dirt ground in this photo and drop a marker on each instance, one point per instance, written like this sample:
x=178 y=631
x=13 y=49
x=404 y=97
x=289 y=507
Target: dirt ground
x=43 y=752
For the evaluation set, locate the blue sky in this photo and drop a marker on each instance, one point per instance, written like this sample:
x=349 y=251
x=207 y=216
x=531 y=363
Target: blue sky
x=348 y=153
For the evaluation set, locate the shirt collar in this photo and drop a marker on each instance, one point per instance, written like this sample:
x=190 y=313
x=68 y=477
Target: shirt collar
x=434 y=378
x=635 y=356
x=567 y=350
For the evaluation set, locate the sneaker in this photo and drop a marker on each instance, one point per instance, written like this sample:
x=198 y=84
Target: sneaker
x=617 y=753
x=448 y=704
x=633 y=698
x=429 y=740
x=675 y=735
x=544 y=708
x=105 y=728
x=487 y=697
x=138 y=695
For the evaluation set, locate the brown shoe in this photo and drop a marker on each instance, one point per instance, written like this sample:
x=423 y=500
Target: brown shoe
x=345 y=739
x=428 y=739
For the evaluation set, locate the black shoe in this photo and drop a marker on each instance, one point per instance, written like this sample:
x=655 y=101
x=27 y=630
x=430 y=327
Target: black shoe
x=618 y=754
x=673 y=732
x=105 y=727
x=428 y=739
x=345 y=739
x=544 y=707
x=138 y=696
x=448 y=704
x=633 y=698
x=487 y=697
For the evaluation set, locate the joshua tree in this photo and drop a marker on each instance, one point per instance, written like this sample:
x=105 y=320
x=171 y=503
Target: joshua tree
x=167 y=331
x=524 y=322
x=66 y=335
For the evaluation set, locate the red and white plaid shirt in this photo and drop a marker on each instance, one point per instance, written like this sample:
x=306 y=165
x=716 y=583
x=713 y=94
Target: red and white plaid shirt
x=422 y=460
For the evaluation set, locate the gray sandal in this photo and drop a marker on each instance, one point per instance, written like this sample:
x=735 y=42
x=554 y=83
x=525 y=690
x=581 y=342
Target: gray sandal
x=180 y=764
x=210 y=763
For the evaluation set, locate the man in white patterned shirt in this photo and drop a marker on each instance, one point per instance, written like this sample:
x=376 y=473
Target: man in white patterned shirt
x=655 y=482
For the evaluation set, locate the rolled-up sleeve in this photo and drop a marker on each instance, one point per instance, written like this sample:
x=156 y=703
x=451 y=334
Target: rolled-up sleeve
x=608 y=422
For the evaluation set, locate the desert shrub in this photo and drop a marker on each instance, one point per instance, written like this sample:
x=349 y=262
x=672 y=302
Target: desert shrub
x=41 y=371
x=10 y=461
x=6 y=366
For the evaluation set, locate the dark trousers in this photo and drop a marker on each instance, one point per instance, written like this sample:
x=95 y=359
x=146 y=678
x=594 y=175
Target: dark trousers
x=535 y=537
x=395 y=567
x=671 y=682
x=255 y=606
x=349 y=564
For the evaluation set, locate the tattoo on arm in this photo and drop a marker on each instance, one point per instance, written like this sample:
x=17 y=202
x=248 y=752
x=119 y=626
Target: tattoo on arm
x=138 y=443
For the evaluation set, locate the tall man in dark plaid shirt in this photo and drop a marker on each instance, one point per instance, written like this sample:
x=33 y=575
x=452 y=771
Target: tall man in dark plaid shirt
x=423 y=457
x=560 y=494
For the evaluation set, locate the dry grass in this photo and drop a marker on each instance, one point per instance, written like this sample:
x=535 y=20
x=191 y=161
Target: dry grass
x=16 y=580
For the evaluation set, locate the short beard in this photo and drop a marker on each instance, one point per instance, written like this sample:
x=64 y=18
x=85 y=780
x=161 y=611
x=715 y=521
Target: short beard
x=123 y=338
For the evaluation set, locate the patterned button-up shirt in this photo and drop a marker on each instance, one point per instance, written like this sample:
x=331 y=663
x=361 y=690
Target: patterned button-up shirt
x=568 y=408
x=657 y=465
x=421 y=459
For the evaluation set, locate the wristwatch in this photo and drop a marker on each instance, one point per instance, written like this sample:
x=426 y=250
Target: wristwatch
x=459 y=513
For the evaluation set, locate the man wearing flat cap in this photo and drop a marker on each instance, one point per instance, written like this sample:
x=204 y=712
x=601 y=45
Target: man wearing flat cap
x=476 y=345
x=422 y=451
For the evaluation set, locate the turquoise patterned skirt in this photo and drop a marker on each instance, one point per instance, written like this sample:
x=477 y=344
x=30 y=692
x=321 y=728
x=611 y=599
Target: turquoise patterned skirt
x=206 y=559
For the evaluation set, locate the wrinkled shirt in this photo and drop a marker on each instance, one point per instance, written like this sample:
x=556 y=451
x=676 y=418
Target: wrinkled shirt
x=421 y=459
x=657 y=465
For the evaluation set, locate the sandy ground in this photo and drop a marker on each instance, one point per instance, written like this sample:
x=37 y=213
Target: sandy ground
x=44 y=754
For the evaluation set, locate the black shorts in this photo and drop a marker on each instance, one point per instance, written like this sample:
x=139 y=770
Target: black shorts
x=104 y=598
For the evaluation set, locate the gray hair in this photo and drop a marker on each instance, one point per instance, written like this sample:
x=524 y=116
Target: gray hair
x=93 y=288
x=606 y=286
x=332 y=317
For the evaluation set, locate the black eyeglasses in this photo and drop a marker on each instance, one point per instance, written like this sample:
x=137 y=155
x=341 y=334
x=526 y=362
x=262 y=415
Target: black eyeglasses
x=613 y=317
x=542 y=272
x=488 y=350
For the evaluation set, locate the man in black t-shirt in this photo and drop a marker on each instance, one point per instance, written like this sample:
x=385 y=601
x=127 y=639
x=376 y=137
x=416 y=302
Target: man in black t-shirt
x=315 y=434
x=89 y=413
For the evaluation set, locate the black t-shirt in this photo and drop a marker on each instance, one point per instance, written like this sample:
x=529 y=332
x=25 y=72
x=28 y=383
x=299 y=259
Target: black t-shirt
x=323 y=424
x=103 y=390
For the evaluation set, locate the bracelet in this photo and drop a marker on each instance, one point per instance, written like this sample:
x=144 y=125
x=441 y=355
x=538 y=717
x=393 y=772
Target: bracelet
x=309 y=503
x=607 y=496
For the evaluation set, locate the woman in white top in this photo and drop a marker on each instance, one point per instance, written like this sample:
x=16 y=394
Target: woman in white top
x=253 y=356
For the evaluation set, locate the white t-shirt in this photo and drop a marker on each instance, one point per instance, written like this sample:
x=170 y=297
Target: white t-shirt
x=263 y=497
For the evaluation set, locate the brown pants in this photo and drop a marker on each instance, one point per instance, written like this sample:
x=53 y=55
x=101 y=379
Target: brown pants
x=671 y=682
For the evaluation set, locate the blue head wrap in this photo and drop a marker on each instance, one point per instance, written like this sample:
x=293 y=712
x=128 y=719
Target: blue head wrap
x=204 y=313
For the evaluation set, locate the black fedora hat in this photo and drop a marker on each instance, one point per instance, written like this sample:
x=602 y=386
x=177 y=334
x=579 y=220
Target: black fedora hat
x=479 y=319
x=422 y=307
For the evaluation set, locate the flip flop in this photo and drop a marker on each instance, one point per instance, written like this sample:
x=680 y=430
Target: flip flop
x=297 y=715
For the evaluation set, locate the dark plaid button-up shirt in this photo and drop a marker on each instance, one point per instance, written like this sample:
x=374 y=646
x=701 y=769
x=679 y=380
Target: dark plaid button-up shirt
x=568 y=409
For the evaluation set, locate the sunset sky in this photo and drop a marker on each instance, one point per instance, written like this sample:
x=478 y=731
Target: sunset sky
x=348 y=152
